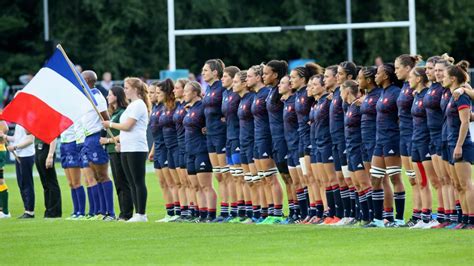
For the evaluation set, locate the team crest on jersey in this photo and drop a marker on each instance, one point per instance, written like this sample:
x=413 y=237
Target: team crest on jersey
x=385 y=100
x=420 y=103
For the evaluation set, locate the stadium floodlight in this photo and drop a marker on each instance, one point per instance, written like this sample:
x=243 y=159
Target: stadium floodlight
x=410 y=23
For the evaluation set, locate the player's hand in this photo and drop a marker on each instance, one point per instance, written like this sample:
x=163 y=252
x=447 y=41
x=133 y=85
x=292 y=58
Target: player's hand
x=10 y=148
x=204 y=130
x=150 y=156
x=104 y=141
x=117 y=147
x=49 y=161
x=457 y=154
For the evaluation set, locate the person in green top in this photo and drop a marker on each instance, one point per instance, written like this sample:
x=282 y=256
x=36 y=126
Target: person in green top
x=117 y=105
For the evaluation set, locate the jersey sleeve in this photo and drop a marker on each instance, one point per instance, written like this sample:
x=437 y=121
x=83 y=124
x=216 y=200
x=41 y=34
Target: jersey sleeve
x=463 y=102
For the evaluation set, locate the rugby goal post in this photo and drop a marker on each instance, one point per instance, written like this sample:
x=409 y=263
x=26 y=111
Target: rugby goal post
x=349 y=26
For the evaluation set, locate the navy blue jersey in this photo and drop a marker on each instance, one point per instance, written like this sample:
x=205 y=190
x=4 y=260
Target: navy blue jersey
x=260 y=115
x=290 y=122
x=404 y=103
x=352 y=128
x=194 y=122
x=369 y=114
x=336 y=117
x=212 y=102
x=312 y=124
x=421 y=133
x=303 y=105
x=453 y=121
x=230 y=105
x=434 y=115
x=387 y=116
x=156 y=130
x=275 y=113
x=246 y=123
x=322 y=131
x=444 y=105
x=170 y=135
x=178 y=117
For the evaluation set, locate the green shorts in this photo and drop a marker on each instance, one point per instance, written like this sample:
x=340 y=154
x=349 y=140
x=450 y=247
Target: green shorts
x=3 y=158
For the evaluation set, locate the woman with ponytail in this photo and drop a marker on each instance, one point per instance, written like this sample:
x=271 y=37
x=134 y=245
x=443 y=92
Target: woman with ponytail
x=460 y=146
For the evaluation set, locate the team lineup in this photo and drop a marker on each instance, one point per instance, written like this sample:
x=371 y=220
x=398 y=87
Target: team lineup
x=337 y=136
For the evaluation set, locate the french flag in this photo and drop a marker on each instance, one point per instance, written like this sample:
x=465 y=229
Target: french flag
x=51 y=102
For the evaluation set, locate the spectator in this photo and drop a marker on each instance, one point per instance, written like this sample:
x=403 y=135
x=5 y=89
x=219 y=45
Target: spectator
x=107 y=82
x=378 y=61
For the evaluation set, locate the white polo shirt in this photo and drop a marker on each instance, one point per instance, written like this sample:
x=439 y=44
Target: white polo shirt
x=91 y=121
x=20 y=137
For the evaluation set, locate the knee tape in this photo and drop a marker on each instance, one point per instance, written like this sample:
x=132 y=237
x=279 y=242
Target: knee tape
x=345 y=171
x=377 y=172
x=303 y=166
x=270 y=172
x=411 y=174
x=225 y=169
x=248 y=177
x=216 y=170
x=394 y=170
x=238 y=171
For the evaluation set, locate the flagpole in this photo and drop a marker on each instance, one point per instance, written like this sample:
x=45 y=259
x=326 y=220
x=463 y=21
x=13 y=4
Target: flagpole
x=86 y=92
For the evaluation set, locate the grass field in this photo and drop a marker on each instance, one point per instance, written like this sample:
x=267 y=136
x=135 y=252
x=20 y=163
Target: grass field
x=58 y=241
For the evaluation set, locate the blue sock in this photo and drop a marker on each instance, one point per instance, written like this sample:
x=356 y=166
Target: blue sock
x=109 y=197
x=74 y=200
x=95 y=203
x=102 y=207
x=90 y=197
x=81 y=199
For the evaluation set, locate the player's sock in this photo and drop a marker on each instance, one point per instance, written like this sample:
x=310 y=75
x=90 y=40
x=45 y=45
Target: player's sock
x=426 y=215
x=108 y=188
x=75 y=203
x=302 y=202
x=352 y=196
x=440 y=217
x=96 y=201
x=177 y=208
x=256 y=211
x=102 y=206
x=81 y=200
x=331 y=203
x=278 y=211
x=388 y=214
x=377 y=200
x=346 y=200
x=248 y=209
x=170 y=209
x=399 y=204
x=319 y=208
x=312 y=209
x=241 y=208
x=4 y=197
x=233 y=209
